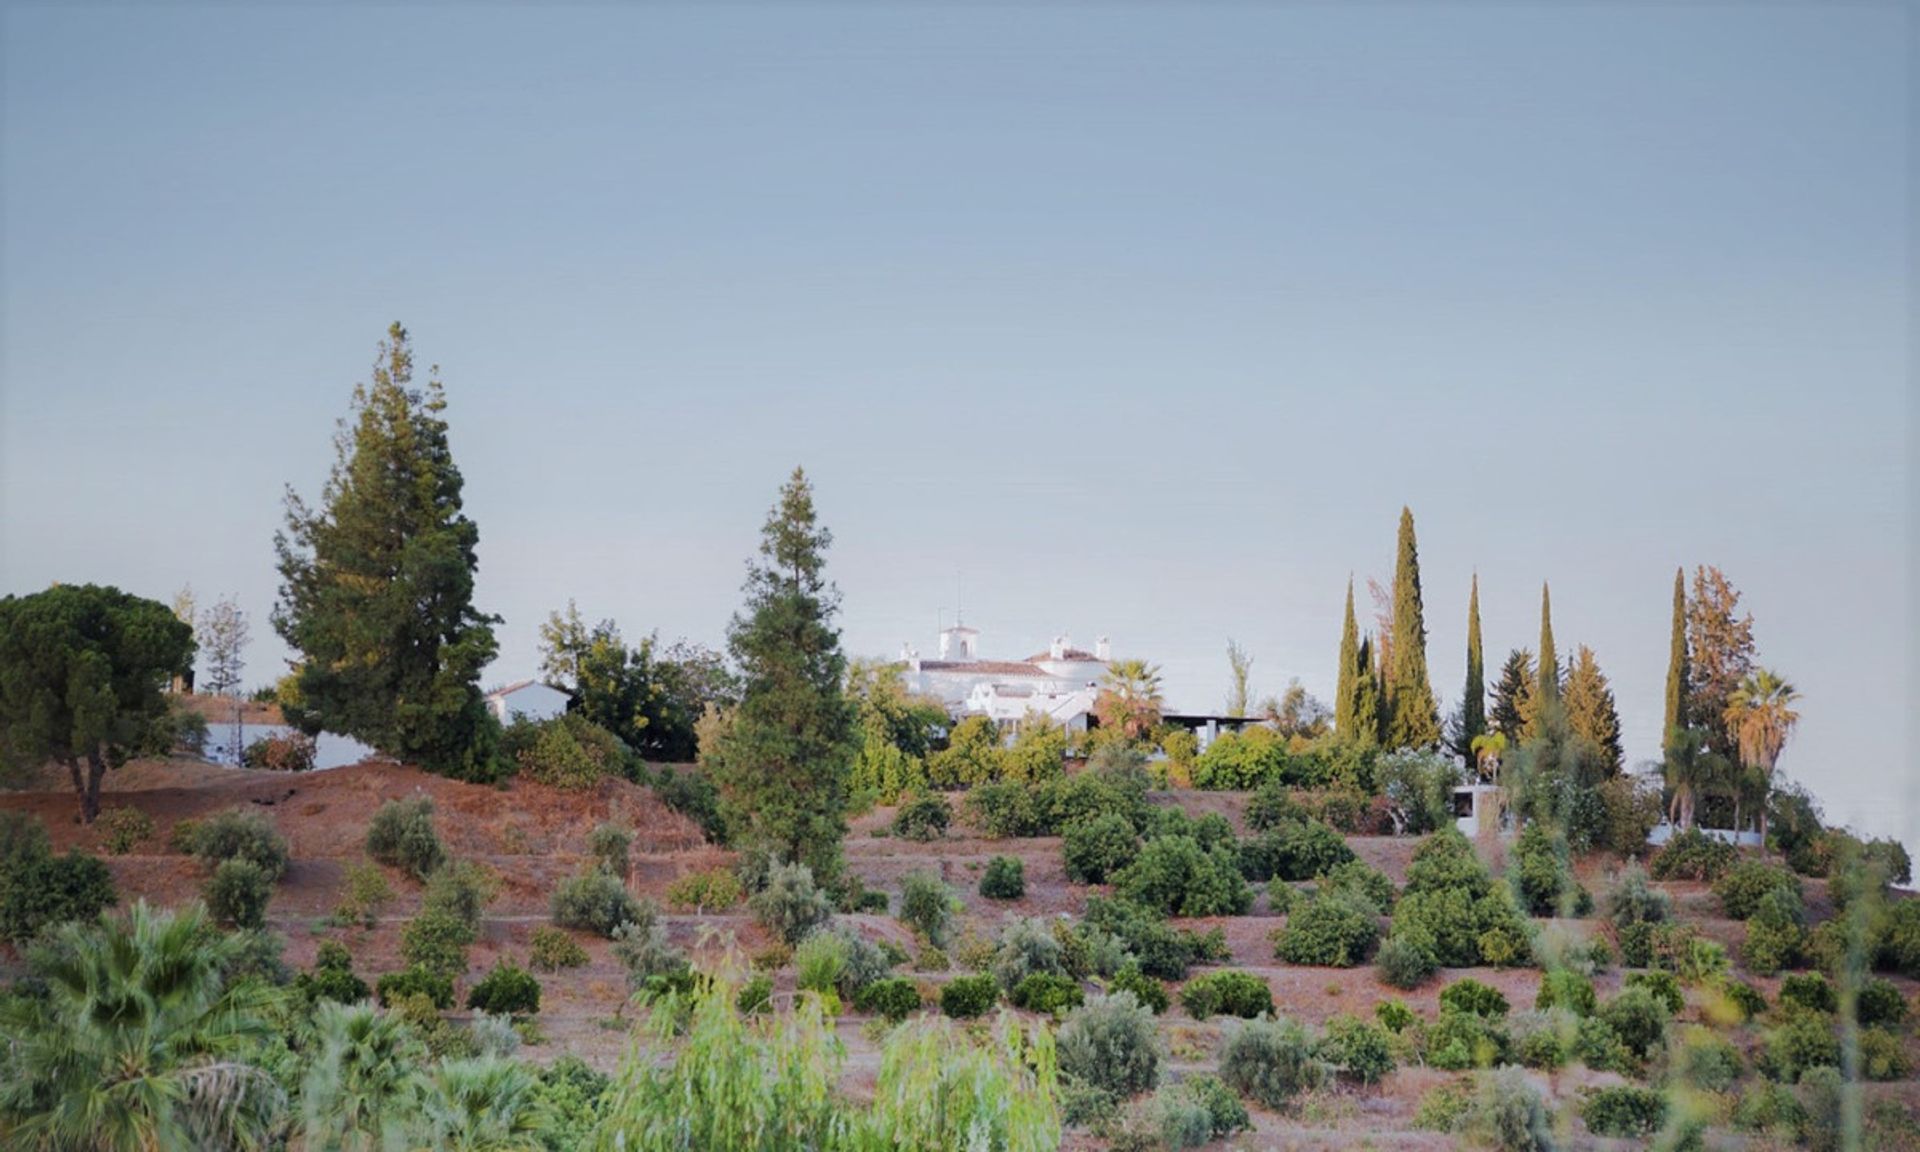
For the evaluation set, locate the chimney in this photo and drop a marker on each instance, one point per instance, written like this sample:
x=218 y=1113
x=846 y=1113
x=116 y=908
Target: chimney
x=1059 y=649
x=1101 y=650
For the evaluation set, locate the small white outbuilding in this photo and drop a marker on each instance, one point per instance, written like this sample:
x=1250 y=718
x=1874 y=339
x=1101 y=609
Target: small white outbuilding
x=527 y=699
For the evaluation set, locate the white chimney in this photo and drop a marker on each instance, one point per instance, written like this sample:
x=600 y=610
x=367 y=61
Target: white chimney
x=946 y=642
x=1059 y=649
x=1101 y=651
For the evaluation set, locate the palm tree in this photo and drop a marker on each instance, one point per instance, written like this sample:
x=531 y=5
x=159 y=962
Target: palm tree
x=140 y=1043
x=1130 y=701
x=485 y=1104
x=363 y=1090
x=1759 y=717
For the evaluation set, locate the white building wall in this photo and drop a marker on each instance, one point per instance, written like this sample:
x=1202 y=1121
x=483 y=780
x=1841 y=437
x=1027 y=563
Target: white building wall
x=533 y=701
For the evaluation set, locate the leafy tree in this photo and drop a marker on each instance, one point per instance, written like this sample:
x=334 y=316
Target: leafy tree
x=222 y=634
x=1719 y=653
x=781 y=765
x=1473 y=699
x=1678 y=668
x=1591 y=714
x=82 y=673
x=186 y=609
x=376 y=592
x=139 y=1042
x=1415 y=719
x=1513 y=697
x=1240 y=669
x=1130 y=700
x=1299 y=713
x=1760 y=716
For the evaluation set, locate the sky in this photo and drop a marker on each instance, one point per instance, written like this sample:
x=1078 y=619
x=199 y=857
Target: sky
x=1124 y=320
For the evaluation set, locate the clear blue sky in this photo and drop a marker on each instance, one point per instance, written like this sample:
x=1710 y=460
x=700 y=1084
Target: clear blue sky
x=1137 y=320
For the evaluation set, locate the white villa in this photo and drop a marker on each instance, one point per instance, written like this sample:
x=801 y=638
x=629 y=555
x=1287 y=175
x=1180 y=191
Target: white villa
x=526 y=699
x=1060 y=683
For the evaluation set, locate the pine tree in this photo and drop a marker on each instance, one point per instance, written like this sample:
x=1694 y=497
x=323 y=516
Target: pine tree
x=1415 y=718
x=1591 y=713
x=1346 y=691
x=1677 y=670
x=1548 y=672
x=1720 y=654
x=781 y=761
x=376 y=586
x=1473 y=699
x=1513 y=697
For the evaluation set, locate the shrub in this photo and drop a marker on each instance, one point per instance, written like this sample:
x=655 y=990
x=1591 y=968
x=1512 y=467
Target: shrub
x=1638 y=1017
x=1565 y=988
x=331 y=977
x=1769 y=1107
x=1508 y=1114
x=1394 y=1014
x=1775 y=935
x=1336 y=929
x=715 y=890
x=608 y=844
x=1047 y=993
x=1899 y=949
x=401 y=835
x=1026 y=946
x=1281 y=897
x=437 y=940
x=1004 y=810
x=1452 y=907
x=1096 y=849
x=1624 y=1111
x=923 y=816
x=1741 y=887
x=1801 y=1040
x=1693 y=855
x=818 y=962
x=693 y=795
x=755 y=996
x=927 y=907
x=652 y=963
x=1360 y=1049
x=1004 y=879
x=122 y=828
x=1744 y=998
x=964 y=997
x=1880 y=1002
x=1704 y=1061
x=865 y=961
x=1542 y=1040
x=1226 y=1115
x=1664 y=987
x=1598 y=1046
x=1540 y=872
x=507 y=990
x=1809 y=990
x=416 y=981
x=1461 y=1040
x=1150 y=993
x=237 y=894
x=1109 y=1042
x=366 y=892
x=236 y=835
x=552 y=949
x=183 y=835
x=1295 y=850
x=1271 y=806
x=894 y=997
x=595 y=901
x=1172 y=1120
x=1443 y=1108
x=38 y=889
x=1356 y=877
x=1270 y=1062
x=283 y=752
x=790 y=906
x=1881 y=1057
x=1083 y=1105
x=568 y=751
x=1405 y=963
x=1227 y=993
x=1161 y=950
x=1473 y=997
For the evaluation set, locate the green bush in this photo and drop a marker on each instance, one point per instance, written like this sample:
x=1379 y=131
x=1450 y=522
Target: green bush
x=331 y=977
x=1638 y=1017
x=790 y=906
x=1004 y=810
x=1356 y=877
x=1047 y=993
x=1542 y=877
x=818 y=962
x=927 y=906
x=1663 y=985
x=1704 y=1061
x=1172 y=1120
x=609 y=844
x=39 y=889
x=1095 y=849
x=1598 y=1046
x=1473 y=997
x=1226 y=993
x=237 y=835
x=1178 y=877
x=1880 y=1002
x=693 y=795
x=1110 y=1043
x=1769 y=1108
x=715 y=890
x=1693 y=855
x=1270 y=1061
x=1744 y=997
x=1336 y=929
x=568 y=751
x=401 y=835
x=923 y=816
x=964 y=997
x=1460 y=1040
x=1027 y=946
x=1565 y=988
x=1881 y=1057
x=237 y=893
x=1150 y=993
x=653 y=965
x=1775 y=932
x=1226 y=1115
x=1162 y=950
x=182 y=836
x=1542 y=1040
x=894 y=997
x=755 y=996
x=1803 y=1039
x=1624 y=1111
x=1360 y=1049
x=1452 y=907
x=1272 y=805
x=1405 y=963
x=367 y=891
x=416 y=981
x=552 y=949
x=1394 y=1015
x=1236 y=761
x=1742 y=886
x=122 y=828
x=595 y=901
x=1899 y=949
x=1294 y=850
x=1005 y=878
x=1809 y=990
x=1508 y=1114
x=437 y=940
x=1442 y=1109
x=506 y=990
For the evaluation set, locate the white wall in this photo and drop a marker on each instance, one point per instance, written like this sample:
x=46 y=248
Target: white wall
x=535 y=702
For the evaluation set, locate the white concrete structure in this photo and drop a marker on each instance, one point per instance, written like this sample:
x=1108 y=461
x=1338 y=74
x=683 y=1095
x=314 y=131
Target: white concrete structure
x=1475 y=806
x=1663 y=832
x=528 y=699
x=1060 y=683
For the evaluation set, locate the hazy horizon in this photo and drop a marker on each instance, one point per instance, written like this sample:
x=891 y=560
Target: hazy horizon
x=1131 y=322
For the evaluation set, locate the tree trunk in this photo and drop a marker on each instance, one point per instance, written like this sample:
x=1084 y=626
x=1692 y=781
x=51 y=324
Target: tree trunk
x=90 y=797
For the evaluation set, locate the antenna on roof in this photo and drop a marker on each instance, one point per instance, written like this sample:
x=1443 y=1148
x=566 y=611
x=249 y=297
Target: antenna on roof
x=959 y=617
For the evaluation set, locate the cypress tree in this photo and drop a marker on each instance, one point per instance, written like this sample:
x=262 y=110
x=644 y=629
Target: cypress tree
x=1367 y=704
x=1473 y=701
x=1678 y=669
x=1346 y=692
x=781 y=760
x=376 y=585
x=1548 y=686
x=1414 y=718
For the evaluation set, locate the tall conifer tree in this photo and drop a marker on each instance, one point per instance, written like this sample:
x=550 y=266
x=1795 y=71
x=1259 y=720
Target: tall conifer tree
x=1414 y=718
x=1513 y=697
x=1346 y=692
x=781 y=760
x=1591 y=712
x=1548 y=686
x=1473 y=699
x=376 y=585
x=1677 y=664
x=1368 y=704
